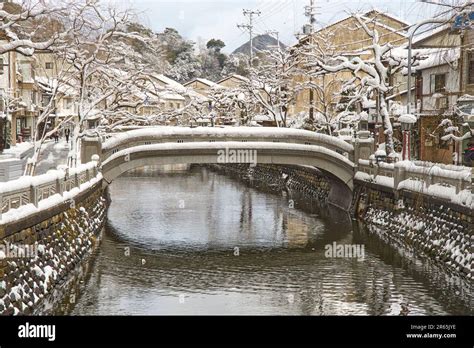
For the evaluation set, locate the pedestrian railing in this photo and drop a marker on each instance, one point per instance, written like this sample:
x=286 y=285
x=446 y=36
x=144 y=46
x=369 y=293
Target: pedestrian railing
x=155 y=135
x=428 y=174
x=34 y=189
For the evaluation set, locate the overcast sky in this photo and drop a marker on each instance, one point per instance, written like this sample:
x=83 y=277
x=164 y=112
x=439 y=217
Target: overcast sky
x=202 y=20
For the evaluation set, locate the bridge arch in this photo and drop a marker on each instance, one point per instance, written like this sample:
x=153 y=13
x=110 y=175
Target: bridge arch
x=178 y=145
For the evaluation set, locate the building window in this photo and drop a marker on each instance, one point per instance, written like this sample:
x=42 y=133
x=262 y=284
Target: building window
x=470 y=71
x=46 y=100
x=49 y=65
x=67 y=103
x=438 y=83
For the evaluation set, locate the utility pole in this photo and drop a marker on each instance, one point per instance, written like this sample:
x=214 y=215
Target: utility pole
x=310 y=12
x=276 y=33
x=249 y=26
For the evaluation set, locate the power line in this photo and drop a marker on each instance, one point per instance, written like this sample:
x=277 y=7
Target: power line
x=249 y=27
x=276 y=10
x=275 y=32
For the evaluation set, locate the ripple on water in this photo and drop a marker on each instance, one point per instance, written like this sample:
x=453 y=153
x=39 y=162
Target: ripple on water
x=230 y=249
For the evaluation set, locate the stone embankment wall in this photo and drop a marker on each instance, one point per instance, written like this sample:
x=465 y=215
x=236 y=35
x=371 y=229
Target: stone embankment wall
x=308 y=181
x=431 y=228
x=426 y=226
x=39 y=255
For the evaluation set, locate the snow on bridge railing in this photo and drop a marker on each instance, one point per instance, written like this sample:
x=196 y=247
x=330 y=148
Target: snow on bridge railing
x=29 y=194
x=153 y=135
x=453 y=183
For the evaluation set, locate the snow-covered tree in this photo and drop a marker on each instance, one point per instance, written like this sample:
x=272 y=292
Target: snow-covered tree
x=272 y=84
x=237 y=63
x=54 y=87
x=212 y=60
x=370 y=72
x=26 y=26
x=97 y=62
x=234 y=102
x=453 y=134
x=185 y=67
x=32 y=25
x=104 y=79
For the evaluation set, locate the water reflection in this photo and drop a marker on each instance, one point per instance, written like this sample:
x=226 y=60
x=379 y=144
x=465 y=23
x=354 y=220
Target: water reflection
x=196 y=242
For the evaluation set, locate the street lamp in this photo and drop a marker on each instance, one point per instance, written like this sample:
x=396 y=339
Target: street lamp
x=406 y=122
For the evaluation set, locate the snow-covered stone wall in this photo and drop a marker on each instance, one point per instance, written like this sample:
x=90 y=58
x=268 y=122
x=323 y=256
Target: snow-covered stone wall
x=38 y=261
x=434 y=229
x=306 y=180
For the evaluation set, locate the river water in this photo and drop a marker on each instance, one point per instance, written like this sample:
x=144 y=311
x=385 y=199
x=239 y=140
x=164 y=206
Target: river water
x=198 y=242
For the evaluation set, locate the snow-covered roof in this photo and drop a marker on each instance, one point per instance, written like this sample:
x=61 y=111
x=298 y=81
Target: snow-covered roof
x=387 y=14
x=423 y=36
x=170 y=82
x=171 y=96
x=239 y=77
x=437 y=57
x=375 y=21
x=466 y=97
x=203 y=81
x=177 y=87
x=385 y=26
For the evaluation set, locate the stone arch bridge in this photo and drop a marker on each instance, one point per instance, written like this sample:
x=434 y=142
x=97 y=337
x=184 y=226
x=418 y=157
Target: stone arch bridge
x=121 y=152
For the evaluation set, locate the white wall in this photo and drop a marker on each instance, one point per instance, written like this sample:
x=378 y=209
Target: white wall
x=452 y=85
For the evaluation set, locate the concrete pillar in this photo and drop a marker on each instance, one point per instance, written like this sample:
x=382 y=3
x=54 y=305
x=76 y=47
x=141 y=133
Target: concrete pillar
x=90 y=146
x=363 y=148
x=398 y=176
x=76 y=180
x=33 y=196
x=59 y=186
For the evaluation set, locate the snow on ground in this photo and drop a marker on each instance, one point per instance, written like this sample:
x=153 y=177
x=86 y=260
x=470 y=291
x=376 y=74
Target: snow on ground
x=19 y=149
x=52 y=155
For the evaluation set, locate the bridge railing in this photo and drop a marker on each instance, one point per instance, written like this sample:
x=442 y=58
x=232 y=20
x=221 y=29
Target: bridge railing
x=427 y=175
x=32 y=190
x=151 y=136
